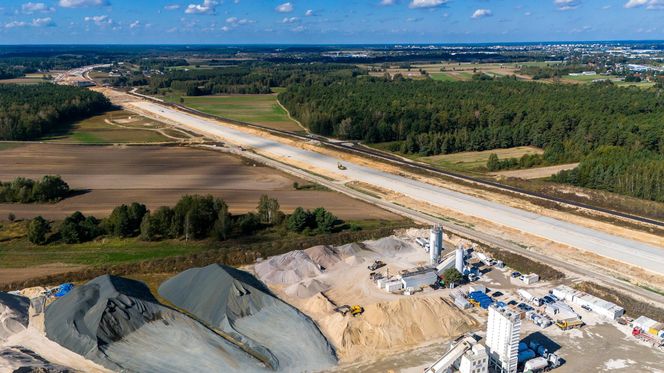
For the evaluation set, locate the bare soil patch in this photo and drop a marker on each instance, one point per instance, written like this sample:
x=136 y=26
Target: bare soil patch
x=158 y=176
x=536 y=173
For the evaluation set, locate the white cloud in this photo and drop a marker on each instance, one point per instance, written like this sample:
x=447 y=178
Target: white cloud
x=290 y=20
x=388 y=2
x=15 y=24
x=238 y=21
x=207 y=7
x=567 y=4
x=82 y=3
x=30 y=8
x=135 y=24
x=172 y=7
x=101 y=21
x=527 y=14
x=285 y=8
x=426 y=3
x=481 y=13
x=309 y=13
x=649 y=4
x=37 y=22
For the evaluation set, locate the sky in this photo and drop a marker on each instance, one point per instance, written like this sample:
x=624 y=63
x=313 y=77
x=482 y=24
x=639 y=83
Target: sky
x=326 y=21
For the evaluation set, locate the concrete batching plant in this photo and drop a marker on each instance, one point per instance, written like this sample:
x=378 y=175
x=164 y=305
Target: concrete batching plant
x=435 y=243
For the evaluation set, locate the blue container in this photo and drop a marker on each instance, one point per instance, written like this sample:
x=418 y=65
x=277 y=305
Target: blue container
x=63 y=290
x=526 y=355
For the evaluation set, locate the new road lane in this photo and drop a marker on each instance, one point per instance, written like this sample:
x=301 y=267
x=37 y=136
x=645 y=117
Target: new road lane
x=628 y=251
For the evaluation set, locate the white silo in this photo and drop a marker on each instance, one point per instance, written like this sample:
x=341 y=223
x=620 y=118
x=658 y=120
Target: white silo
x=435 y=243
x=459 y=263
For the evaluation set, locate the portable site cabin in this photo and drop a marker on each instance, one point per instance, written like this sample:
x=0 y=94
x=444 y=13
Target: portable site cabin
x=417 y=279
x=600 y=306
x=649 y=326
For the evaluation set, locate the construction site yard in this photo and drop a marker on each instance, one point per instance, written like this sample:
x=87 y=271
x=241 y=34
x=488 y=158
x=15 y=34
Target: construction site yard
x=394 y=332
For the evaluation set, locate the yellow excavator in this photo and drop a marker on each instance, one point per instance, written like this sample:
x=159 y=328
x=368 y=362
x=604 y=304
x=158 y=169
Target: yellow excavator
x=353 y=310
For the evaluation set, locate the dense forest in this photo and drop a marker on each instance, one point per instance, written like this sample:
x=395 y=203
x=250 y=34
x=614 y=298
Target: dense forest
x=620 y=170
x=245 y=79
x=30 y=111
x=426 y=117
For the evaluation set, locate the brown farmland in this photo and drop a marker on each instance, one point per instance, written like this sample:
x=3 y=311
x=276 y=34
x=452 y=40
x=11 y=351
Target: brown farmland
x=158 y=175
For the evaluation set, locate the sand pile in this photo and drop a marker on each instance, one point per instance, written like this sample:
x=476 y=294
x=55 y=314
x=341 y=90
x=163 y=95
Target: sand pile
x=353 y=260
x=403 y=323
x=14 y=315
x=242 y=307
x=317 y=305
x=307 y=288
x=324 y=256
x=288 y=268
x=347 y=250
x=33 y=292
x=389 y=246
x=119 y=324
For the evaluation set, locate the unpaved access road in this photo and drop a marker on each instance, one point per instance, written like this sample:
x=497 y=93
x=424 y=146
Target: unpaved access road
x=649 y=257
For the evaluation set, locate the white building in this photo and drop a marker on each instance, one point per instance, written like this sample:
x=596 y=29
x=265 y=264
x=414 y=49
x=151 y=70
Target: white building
x=420 y=278
x=599 y=306
x=475 y=360
x=502 y=337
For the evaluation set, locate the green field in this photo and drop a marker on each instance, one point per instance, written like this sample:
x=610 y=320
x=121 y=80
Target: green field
x=442 y=77
x=17 y=252
x=476 y=161
x=96 y=130
x=259 y=109
x=24 y=80
x=613 y=78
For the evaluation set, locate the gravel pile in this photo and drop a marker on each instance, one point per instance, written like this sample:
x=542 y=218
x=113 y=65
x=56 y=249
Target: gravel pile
x=238 y=304
x=288 y=268
x=118 y=323
x=389 y=246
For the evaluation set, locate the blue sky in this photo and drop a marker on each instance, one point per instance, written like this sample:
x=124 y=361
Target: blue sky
x=319 y=21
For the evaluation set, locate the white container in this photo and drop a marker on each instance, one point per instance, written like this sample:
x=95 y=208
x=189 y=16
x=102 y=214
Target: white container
x=535 y=364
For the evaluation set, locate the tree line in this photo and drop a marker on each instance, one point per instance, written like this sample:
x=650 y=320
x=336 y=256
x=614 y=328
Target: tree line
x=23 y=190
x=249 y=78
x=619 y=170
x=194 y=217
x=30 y=111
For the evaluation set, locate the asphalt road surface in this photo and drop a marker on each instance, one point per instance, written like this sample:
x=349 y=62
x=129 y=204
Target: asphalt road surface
x=628 y=251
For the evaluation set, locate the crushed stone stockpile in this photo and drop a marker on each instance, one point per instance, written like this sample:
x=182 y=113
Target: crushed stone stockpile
x=238 y=304
x=387 y=326
x=14 y=316
x=118 y=323
x=389 y=246
x=298 y=265
x=17 y=359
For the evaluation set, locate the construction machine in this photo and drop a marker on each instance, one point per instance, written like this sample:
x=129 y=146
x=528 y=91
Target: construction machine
x=569 y=324
x=353 y=310
x=376 y=264
x=340 y=166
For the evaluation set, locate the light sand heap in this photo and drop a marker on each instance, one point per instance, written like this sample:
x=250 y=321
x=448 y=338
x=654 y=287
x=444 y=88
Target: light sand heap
x=288 y=268
x=14 y=315
x=399 y=324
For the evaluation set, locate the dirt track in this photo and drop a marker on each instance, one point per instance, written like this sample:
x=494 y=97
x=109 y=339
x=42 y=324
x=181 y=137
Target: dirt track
x=159 y=176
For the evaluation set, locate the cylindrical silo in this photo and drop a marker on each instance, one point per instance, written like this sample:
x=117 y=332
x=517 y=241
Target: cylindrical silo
x=435 y=243
x=459 y=262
